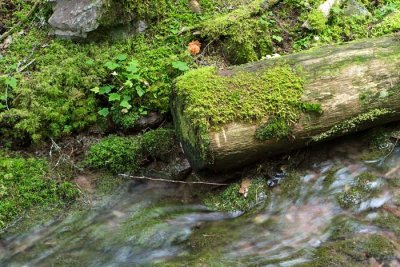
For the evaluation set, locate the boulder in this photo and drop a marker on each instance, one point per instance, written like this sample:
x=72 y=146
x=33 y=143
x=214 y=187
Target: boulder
x=75 y=18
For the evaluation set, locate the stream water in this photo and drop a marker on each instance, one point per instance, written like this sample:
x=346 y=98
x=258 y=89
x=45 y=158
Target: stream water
x=148 y=224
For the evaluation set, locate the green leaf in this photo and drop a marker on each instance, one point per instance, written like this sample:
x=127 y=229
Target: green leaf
x=111 y=65
x=125 y=102
x=133 y=66
x=105 y=89
x=114 y=97
x=277 y=38
x=11 y=81
x=2 y=106
x=139 y=91
x=128 y=83
x=3 y=97
x=180 y=65
x=121 y=57
x=95 y=90
x=89 y=62
x=104 y=112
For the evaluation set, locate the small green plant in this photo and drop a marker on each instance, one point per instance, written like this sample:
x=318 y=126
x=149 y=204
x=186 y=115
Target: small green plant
x=126 y=154
x=128 y=93
x=115 y=154
x=158 y=144
x=23 y=184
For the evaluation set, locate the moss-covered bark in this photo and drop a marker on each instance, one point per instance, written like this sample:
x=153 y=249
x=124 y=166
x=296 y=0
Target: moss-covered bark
x=229 y=118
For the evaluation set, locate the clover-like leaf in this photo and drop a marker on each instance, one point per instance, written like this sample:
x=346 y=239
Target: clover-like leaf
x=104 y=112
x=133 y=66
x=128 y=83
x=125 y=102
x=95 y=90
x=111 y=65
x=139 y=91
x=114 y=97
x=105 y=89
x=11 y=81
x=121 y=57
x=180 y=65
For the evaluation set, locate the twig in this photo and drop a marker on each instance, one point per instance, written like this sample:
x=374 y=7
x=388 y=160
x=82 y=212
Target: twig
x=166 y=180
x=10 y=31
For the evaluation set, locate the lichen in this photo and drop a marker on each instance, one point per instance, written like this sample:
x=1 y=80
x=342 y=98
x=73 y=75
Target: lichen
x=352 y=124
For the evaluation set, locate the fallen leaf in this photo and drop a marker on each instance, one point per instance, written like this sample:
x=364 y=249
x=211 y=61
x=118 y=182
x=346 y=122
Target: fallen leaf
x=244 y=186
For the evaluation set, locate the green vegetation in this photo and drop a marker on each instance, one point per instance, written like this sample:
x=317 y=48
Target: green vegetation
x=351 y=124
x=317 y=20
x=231 y=200
x=354 y=251
x=158 y=144
x=126 y=154
x=24 y=184
x=359 y=191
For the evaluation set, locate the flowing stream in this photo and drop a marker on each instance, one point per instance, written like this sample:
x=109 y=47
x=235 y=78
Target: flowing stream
x=149 y=224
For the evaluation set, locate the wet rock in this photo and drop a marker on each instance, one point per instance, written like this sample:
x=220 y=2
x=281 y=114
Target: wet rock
x=152 y=120
x=180 y=169
x=75 y=18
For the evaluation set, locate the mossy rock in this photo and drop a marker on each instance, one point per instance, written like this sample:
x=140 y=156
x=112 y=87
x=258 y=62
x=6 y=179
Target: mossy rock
x=354 y=251
x=119 y=154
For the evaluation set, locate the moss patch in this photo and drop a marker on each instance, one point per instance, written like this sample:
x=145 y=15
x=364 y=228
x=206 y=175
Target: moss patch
x=209 y=100
x=231 y=200
x=23 y=184
x=359 y=191
x=126 y=154
x=354 y=251
x=352 y=124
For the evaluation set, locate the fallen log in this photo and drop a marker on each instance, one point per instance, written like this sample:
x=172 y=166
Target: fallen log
x=226 y=119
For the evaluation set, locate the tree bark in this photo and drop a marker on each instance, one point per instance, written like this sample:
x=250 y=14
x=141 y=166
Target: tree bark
x=357 y=85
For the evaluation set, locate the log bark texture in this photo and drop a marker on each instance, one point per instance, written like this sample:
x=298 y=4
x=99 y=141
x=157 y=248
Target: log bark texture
x=356 y=84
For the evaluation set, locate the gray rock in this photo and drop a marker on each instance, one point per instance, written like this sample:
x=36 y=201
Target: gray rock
x=355 y=8
x=180 y=169
x=75 y=18
x=152 y=120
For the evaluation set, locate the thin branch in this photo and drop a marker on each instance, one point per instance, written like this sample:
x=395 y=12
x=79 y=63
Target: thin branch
x=10 y=31
x=166 y=180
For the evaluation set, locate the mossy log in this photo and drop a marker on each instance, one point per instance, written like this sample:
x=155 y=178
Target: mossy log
x=226 y=119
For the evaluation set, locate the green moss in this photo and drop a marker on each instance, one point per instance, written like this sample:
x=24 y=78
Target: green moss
x=352 y=124
x=317 y=20
x=115 y=154
x=124 y=11
x=359 y=191
x=390 y=23
x=354 y=251
x=245 y=36
x=158 y=144
x=126 y=154
x=231 y=200
x=389 y=222
x=209 y=100
x=23 y=184
x=274 y=128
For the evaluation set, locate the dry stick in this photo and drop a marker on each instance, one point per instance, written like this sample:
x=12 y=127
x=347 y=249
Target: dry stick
x=166 y=180
x=10 y=31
